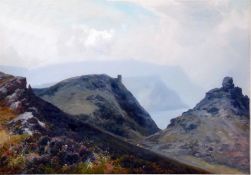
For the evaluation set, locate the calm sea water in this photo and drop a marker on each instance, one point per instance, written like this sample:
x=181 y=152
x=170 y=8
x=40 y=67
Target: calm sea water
x=162 y=118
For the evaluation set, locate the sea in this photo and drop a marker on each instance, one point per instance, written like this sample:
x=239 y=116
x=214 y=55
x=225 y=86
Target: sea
x=162 y=118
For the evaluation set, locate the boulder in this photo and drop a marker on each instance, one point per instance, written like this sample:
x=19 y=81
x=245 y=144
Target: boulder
x=227 y=83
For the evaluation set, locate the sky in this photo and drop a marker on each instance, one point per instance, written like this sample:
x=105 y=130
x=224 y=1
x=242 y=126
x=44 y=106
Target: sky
x=208 y=39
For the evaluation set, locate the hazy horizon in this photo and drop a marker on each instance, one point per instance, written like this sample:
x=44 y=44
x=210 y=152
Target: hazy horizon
x=206 y=39
x=173 y=76
x=190 y=46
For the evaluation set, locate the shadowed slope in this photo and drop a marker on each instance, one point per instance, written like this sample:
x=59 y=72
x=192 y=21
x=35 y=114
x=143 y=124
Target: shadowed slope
x=103 y=101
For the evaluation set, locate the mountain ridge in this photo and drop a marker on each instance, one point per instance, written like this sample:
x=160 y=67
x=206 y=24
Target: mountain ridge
x=103 y=101
x=215 y=131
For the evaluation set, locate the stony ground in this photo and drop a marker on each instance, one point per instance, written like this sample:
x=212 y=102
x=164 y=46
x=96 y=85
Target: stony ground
x=215 y=132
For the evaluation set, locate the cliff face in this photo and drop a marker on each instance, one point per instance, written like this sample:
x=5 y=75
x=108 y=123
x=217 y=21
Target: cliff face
x=103 y=101
x=33 y=132
x=215 y=131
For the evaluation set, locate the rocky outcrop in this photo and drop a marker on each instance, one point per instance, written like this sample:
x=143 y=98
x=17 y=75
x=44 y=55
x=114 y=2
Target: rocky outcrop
x=14 y=95
x=227 y=83
x=227 y=100
x=10 y=84
x=215 y=131
x=103 y=101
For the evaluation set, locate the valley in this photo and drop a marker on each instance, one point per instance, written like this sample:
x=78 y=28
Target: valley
x=37 y=137
x=93 y=124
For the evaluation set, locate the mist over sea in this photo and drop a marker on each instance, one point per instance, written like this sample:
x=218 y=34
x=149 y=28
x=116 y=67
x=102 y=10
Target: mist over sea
x=163 y=118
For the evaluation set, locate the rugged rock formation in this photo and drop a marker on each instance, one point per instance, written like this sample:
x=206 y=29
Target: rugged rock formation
x=37 y=137
x=215 y=131
x=103 y=101
x=33 y=131
x=225 y=101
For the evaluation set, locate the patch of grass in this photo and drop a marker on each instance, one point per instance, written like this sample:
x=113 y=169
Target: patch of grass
x=4 y=136
x=12 y=161
x=5 y=79
x=214 y=168
x=11 y=140
x=134 y=165
x=169 y=138
x=6 y=114
x=17 y=161
x=102 y=165
x=8 y=141
x=13 y=165
x=49 y=169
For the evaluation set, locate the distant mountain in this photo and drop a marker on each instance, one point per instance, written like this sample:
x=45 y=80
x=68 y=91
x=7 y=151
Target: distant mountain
x=153 y=94
x=214 y=134
x=103 y=101
x=13 y=70
x=174 y=77
x=37 y=137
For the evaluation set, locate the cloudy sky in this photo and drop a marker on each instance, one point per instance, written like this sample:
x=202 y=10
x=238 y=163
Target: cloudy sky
x=208 y=39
